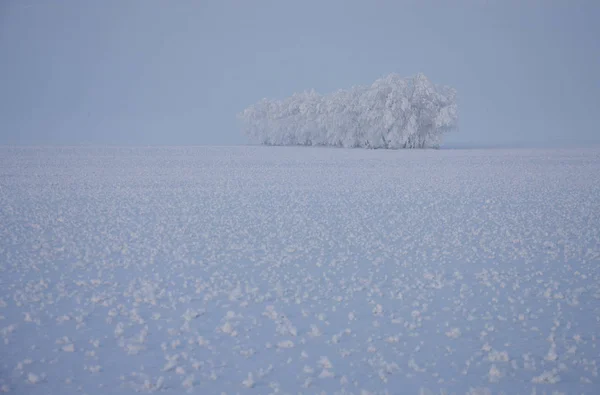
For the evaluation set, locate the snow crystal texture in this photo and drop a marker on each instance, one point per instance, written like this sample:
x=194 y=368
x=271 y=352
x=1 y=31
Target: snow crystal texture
x=299 y=270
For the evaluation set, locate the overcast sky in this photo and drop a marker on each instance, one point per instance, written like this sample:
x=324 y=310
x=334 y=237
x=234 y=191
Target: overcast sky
x=178 y=71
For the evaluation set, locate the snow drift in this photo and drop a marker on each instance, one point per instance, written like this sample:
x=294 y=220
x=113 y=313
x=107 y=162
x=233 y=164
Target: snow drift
x=393 y=112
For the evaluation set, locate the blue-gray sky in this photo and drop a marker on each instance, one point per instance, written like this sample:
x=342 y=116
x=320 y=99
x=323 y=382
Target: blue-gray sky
x=177 y=72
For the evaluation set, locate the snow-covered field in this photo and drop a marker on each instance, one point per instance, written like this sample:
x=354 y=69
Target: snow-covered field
x=299 y=270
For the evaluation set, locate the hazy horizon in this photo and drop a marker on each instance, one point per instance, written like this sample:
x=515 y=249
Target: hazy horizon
x=158 y=73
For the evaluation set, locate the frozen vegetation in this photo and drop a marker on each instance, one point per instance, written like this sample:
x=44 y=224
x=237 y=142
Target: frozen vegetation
x=393 y=112
x=289 y=270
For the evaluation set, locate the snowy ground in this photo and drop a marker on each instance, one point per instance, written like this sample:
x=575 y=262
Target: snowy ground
x=299 y=270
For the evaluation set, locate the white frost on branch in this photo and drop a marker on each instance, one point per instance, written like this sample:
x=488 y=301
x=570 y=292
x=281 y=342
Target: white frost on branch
x=393 y=112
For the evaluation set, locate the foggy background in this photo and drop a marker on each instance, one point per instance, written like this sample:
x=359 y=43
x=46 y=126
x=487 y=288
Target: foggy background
x=178 y=72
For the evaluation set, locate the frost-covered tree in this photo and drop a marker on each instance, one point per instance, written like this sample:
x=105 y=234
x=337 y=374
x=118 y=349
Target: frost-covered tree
x=393 y=112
